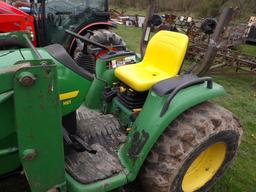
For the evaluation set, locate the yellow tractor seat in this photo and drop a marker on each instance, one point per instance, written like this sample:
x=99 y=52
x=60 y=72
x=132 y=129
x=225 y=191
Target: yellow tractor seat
x=163 y=59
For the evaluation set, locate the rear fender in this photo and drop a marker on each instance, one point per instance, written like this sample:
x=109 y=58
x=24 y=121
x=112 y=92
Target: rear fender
x=149 y=125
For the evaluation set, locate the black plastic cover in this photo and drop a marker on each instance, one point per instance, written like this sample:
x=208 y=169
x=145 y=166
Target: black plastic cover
x=114 y=54
x=12 y=43
x=59 y=53
x=167 y=86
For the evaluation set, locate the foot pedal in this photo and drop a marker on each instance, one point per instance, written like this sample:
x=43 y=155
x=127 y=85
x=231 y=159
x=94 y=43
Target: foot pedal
x=80 y=145
x=77 y=143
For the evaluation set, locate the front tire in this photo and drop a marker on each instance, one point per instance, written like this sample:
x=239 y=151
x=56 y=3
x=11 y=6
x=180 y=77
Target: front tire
x=193 y=152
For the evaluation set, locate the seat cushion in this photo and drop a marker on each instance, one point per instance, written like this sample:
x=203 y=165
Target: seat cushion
x=163 y=59
x=140 y=77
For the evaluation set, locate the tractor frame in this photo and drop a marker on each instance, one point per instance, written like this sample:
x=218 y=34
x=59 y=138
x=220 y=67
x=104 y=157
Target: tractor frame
x=42 y=95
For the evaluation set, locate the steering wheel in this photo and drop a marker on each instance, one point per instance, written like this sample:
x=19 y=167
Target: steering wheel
x=88 y=41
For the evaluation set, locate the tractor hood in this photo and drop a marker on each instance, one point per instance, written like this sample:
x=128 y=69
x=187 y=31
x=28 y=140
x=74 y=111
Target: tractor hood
x=72 y=86
x=10 y=57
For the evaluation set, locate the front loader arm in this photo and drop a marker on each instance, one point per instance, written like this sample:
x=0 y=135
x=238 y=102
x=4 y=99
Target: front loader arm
x=37 y=115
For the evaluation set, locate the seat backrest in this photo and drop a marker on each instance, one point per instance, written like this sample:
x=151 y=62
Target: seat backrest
x=166 y=51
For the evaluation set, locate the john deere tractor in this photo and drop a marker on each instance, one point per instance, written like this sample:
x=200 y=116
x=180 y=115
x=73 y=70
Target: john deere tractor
x=67 y=129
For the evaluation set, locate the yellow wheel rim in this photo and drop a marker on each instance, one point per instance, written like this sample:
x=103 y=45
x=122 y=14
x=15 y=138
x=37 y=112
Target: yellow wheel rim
x=204 y=167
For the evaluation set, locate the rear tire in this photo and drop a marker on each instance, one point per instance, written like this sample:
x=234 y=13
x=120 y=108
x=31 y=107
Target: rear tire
x=198 y=134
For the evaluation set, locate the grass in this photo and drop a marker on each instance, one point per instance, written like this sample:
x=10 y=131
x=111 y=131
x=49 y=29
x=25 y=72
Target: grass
x=249 y=49
x=130 y=11
x=131 y=35
x=241 y=100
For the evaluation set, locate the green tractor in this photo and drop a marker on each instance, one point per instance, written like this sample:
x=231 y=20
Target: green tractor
x=67 y=129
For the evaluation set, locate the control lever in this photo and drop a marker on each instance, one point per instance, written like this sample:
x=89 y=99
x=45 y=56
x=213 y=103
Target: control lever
x=191 y=68
x=77 y=142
